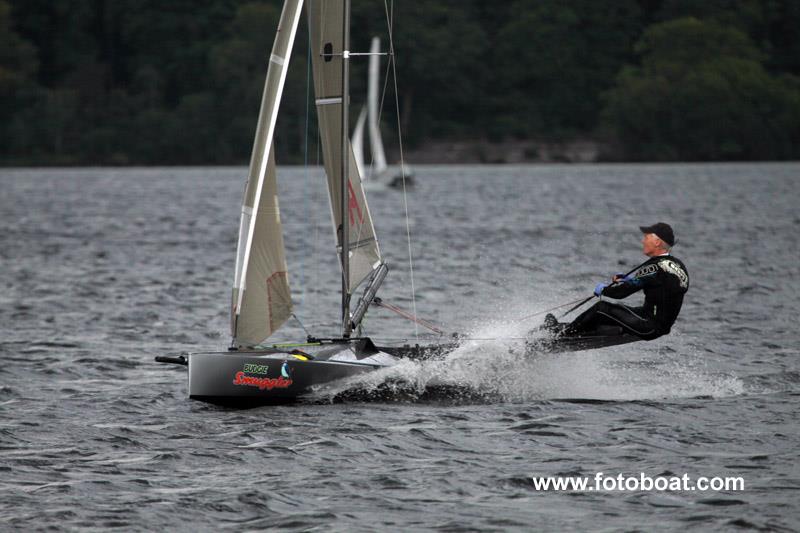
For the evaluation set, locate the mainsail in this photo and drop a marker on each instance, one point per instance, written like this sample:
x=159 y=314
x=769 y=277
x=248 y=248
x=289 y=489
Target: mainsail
x=262 y=300
x=327 y=38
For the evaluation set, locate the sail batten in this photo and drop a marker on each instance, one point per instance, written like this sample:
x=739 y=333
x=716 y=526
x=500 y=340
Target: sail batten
x=261 y=299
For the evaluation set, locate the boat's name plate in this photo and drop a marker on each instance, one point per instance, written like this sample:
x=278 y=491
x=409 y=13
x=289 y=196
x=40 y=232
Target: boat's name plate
x=262 y=383
x=251 y=368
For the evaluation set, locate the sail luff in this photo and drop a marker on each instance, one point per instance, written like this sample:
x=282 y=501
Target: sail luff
x=266 y=291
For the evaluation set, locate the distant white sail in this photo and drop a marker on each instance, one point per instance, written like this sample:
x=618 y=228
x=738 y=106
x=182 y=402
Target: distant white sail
x=358 y=141
x=262 y=300
x=326 y=29
x=375 y=140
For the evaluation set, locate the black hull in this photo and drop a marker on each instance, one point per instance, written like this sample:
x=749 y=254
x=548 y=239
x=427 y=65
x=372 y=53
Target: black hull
x=277 y=376
x=262 y=378
x=221 y=378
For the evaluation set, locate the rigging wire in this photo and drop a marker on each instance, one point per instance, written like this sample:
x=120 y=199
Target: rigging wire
x=310 y=276
x=390 y=23
x=311 y=301
x=301 y=324
x=307 y=177
x=424 y=323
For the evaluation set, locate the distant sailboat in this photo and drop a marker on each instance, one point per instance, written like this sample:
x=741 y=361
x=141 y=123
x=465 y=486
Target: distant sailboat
x=248 y=373
x=378 y=172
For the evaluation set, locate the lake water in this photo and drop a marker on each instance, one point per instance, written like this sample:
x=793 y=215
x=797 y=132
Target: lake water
x=102 y=269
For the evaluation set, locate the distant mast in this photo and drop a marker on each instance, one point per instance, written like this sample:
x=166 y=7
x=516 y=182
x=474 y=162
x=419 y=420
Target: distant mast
x=375 y=140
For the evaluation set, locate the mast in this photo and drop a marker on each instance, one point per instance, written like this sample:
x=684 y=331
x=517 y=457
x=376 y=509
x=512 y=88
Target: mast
x=356 y=243
x=346 y=327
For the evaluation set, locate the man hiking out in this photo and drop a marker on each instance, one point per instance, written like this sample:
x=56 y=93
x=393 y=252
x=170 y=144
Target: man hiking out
x=664 y=280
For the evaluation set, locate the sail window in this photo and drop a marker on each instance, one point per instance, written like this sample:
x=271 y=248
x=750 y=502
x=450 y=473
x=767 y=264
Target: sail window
x=328 y=52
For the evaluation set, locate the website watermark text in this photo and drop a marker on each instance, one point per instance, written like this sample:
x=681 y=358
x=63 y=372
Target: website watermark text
x=642 y=482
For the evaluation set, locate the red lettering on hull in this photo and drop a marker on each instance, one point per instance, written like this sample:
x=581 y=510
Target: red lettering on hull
x=262 y=383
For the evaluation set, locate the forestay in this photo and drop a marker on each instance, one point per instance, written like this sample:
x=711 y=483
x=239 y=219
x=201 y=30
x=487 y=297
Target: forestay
x=326 y=29
x=261 y=300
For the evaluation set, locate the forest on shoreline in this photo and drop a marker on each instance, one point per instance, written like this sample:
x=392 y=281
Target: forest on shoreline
x=178 y=82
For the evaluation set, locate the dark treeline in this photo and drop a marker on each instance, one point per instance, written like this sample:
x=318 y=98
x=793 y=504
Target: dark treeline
x=179 y=81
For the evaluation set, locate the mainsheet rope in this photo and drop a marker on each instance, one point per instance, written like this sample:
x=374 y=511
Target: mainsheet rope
x=424 y=323
x=582 y=300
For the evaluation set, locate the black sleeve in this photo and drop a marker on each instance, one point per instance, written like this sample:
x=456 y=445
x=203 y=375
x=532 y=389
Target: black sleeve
x=623 y=289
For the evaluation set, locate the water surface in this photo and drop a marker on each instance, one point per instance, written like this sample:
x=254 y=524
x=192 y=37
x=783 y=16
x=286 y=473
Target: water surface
x=102 y=269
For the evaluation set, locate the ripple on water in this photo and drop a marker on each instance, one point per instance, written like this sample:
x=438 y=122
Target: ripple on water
x=103 y=269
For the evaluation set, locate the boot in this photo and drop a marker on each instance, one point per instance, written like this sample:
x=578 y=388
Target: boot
x=552 y=324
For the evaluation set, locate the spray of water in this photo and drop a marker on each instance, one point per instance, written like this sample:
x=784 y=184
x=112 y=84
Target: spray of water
x=492 y=364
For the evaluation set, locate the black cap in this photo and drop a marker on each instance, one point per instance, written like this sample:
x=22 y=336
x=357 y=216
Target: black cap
x=662 y=230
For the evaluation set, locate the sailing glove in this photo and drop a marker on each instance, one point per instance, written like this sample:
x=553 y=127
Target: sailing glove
x=598 y=290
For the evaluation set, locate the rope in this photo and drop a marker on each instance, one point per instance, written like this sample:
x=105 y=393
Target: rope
x=573 y=302
x=312 y=275
x=301 y=324
x=404 y=314
x=428 y=325
x=307 y=178
x=579 y=301
x=390 y=21
x=480 y=339
x=315 y=198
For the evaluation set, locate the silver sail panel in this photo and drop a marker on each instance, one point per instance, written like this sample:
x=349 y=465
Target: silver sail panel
x=326 y=28
x=261 y=300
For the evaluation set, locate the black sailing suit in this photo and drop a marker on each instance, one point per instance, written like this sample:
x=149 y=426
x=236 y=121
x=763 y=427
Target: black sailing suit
x=664 y=280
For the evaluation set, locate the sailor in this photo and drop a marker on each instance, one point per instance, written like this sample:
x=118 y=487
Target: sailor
x=664 y=280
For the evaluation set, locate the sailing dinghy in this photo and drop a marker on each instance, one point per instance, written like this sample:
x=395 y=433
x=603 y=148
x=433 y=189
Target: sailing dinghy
x=249 y=373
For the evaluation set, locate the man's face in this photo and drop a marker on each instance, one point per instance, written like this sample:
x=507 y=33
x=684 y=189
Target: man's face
x=651 y=245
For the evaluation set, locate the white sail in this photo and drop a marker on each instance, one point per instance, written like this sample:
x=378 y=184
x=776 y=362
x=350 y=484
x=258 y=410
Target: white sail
x=261 y=300
x=375 y=140
x=326 y=28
